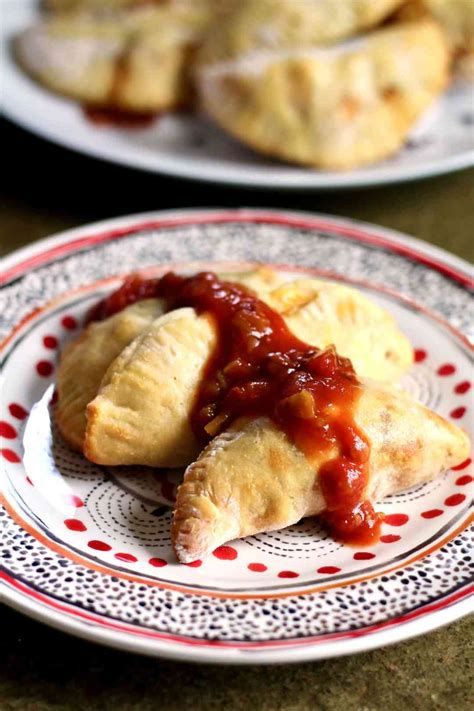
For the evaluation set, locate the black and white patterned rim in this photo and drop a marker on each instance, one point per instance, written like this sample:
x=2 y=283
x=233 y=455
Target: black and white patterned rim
x=99 y=601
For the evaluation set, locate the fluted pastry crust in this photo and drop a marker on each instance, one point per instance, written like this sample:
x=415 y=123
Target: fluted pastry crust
x=337 y=107
x=141 y=413
x=85 y=360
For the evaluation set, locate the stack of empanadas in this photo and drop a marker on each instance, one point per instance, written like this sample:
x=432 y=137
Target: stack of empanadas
x=128 y=385
x=333 y=84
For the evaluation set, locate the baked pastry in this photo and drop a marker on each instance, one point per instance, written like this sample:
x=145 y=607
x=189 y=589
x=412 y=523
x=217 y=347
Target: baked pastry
x=141 y=414
x=272 y=25
x=85 y=360
x=135 y=60
x=293 y=430
x=324 y=312
x=105 y=5
x=252 y=478
x=337 y=107
x=457 y=19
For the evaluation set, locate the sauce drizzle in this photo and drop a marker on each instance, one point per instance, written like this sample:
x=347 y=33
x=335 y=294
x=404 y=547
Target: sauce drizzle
x=260 y=368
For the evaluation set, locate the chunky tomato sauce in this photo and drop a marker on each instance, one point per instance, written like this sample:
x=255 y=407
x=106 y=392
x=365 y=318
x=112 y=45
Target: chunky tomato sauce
x=260 y=368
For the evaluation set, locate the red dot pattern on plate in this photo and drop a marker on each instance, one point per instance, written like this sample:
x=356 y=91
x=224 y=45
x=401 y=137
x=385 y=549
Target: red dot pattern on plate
x=99 y=546
x=17 y=411
x=50 y=342
x=257 y=567
x=225 y=553
x=432 y=513
x=455 y=499
x=7 y=431
x=74 y=524
x=420 y=355
x=44 y=368
x=363 y=555
x=69 y=322
x=126 y=557
x=397 y=519
x=194 y=564
x=446 y=369
x=463 y=465
x=73 y=500
x=328 y=570
x=288 y=574
x=10 y=456
x=463 y=387
x=390 y=538
x=458 y=413
x=157 y=562
x=463 y=480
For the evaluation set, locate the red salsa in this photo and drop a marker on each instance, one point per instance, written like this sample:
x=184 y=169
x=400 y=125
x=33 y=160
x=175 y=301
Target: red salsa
x=260 y=368
x=106 y=116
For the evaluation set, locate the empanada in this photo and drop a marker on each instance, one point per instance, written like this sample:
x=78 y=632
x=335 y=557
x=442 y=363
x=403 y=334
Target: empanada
x=271 y=25
x=337 y=107
x=253 y=478
x=85 y=360
x=457 y=19
x=135 y=60
x=142 y=410
x=141 y=414
x=262 y=280
x=324 y=312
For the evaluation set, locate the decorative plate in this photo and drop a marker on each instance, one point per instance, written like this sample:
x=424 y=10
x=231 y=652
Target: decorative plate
x=87 y=548
x=188 y=146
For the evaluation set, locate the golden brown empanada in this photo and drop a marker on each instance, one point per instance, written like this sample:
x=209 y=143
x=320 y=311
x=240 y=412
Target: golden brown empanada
x=142 y=410
x=85 y=360
x=135 y=59
x=253 y=478
x=324 y=312
x=334 y=107
x=141 y=413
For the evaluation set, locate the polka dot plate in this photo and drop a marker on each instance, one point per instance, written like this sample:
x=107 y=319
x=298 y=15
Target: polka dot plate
x=87 y=548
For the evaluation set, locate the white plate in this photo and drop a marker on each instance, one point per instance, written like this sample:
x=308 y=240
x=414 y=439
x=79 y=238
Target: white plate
x=87 y=549
x=190 y=147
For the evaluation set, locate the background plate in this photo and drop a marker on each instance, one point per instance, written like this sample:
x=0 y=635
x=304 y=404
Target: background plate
x=87 y=549
x=187 y=146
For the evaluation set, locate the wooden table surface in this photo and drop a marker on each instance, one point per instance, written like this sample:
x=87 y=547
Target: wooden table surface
x=46 y=189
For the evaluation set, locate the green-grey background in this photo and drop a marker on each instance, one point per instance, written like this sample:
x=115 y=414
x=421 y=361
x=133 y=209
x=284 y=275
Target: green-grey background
x=46 y=189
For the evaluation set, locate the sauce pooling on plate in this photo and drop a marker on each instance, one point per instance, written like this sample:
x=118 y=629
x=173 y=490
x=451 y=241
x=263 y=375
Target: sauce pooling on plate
x=103 y=116
x=259 y=368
